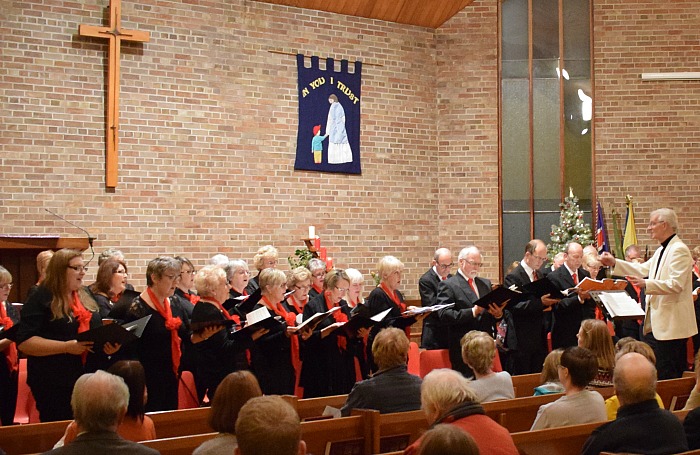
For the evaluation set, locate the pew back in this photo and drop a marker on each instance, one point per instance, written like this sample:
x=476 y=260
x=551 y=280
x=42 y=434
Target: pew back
x=170 y=424
x=181 y=445
x=554 y=441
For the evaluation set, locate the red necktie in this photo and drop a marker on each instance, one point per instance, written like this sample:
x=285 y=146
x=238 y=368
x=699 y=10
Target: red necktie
x=575 y=277
x=471 y=283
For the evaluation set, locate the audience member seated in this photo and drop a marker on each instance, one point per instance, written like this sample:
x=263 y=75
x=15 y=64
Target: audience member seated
x=641 y=426
x=100 y=402
x=269 y=425
x=136 y=426
x=694 y=399
x=447 y=397
x=594 y=336
x=392 y=388
x=612 y=404
x=577 y=368
x=478 y=352
x=233 y=392
x=550 y=374
x=447 y=439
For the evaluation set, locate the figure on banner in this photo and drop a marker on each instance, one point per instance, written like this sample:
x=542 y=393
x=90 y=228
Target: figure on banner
x=338 y=148
x=317 y=144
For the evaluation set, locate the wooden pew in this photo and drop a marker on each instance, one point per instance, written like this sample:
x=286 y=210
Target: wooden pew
x=31 y=438
x=182 y=445
x=347 y=435
x=554 y=441
x=674 y=388
x=525 y=384
x=170 y=424
x=310 y=408
x=396 y=431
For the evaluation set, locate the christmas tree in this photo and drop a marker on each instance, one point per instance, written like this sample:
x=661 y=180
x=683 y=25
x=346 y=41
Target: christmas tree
x=571 y=227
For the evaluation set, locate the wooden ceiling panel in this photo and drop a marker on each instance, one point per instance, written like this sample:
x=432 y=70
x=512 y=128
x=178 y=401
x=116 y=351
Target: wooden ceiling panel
x=423 y=13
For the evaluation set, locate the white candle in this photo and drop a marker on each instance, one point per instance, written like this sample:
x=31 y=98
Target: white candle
x=312 y=232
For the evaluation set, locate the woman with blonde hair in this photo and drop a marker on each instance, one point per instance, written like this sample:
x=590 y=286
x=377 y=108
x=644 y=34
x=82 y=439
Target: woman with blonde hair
x=265 y=258
x=299 y=282
x=52 y=318
x=478 y=352
x=9 y=361
x=594 y=336
x=550 y=374
x=275 y=355
x=387 y=296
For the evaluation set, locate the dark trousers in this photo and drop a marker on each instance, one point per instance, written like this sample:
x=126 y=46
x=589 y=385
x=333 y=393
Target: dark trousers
x=8 y=393
x=670 y=358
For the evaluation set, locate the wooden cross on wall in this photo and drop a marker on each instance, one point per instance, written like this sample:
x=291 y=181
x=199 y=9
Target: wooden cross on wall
x=115 y=35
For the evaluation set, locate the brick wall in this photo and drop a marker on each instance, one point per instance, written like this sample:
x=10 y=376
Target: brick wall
x=208 y=133
x=647 y=133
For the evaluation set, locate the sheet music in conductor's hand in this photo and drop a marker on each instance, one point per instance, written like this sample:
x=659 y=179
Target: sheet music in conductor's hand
x=620 y=304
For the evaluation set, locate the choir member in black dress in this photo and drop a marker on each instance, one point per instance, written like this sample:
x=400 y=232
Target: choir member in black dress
x=299 y=282
x=387 y=296
x=50 y=321
x=183 y=291
x=109 y=284
x=9 y=363
x=329 y=354
x=265 y=258
x=217 y=351
x=318 y=272
x=238 y=276
x=160 y=346
x=356 y=302
x=274 y=355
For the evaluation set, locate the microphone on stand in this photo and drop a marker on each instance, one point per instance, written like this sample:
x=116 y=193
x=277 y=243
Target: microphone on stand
x=89 y=237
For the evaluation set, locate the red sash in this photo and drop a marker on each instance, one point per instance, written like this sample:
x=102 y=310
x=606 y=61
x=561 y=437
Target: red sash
x=339 y=316
x=401 y=306
x=82 y=315
x=193 y=298
x=172 y=324
x=223 y=310
x=290 y=319
x=297 y=306
x=318 y=289
x=11 y=350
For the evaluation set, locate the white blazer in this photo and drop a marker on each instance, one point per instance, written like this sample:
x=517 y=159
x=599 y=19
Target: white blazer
x=670 y=313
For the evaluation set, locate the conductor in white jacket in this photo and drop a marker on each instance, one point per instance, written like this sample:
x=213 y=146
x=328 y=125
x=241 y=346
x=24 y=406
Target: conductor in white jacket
x=667 y=279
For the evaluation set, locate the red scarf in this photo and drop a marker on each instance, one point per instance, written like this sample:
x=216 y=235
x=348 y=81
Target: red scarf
x=172 y=324
x=299 y=306
x=82 y=315
x=291 y=319
x=223 y=310
x=399 y=304
x=193 y=298
x=11 y=350
x=318 y=289
x=339 y=316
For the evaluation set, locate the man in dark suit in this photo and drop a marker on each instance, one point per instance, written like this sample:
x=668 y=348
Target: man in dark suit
x=463 y=289
x=525 y=319
x=434 y=336
x=571 y=310
x=99 y=403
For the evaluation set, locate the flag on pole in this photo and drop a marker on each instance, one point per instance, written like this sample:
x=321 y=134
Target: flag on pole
x=601 y=234
x=630 y=230
x=616 y=234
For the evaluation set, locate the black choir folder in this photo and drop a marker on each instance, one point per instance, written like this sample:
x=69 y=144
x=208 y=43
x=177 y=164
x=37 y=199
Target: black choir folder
x=315 y=320
x=260 y=319
x=360 y=321
x=247 y=302
x=499 y=295
x=112 y=332
x=542 y=287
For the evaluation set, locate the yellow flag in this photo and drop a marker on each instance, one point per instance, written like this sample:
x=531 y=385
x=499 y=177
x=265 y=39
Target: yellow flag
x=630 y=230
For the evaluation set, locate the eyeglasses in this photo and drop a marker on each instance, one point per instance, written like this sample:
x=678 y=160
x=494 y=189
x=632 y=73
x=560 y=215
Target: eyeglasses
x=6 y=286
x=475 y=264
x=120 y=272
x=187 y=272
x=341 y=289
x=78 y=268
x=445 y=266
x=654 y=223
x=319 y=274
x=302 y=288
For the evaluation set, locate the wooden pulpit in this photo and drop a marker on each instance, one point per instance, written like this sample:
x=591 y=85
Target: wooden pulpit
x=18 y=256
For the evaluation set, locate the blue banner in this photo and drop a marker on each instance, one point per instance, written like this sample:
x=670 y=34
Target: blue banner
x=328 y=138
